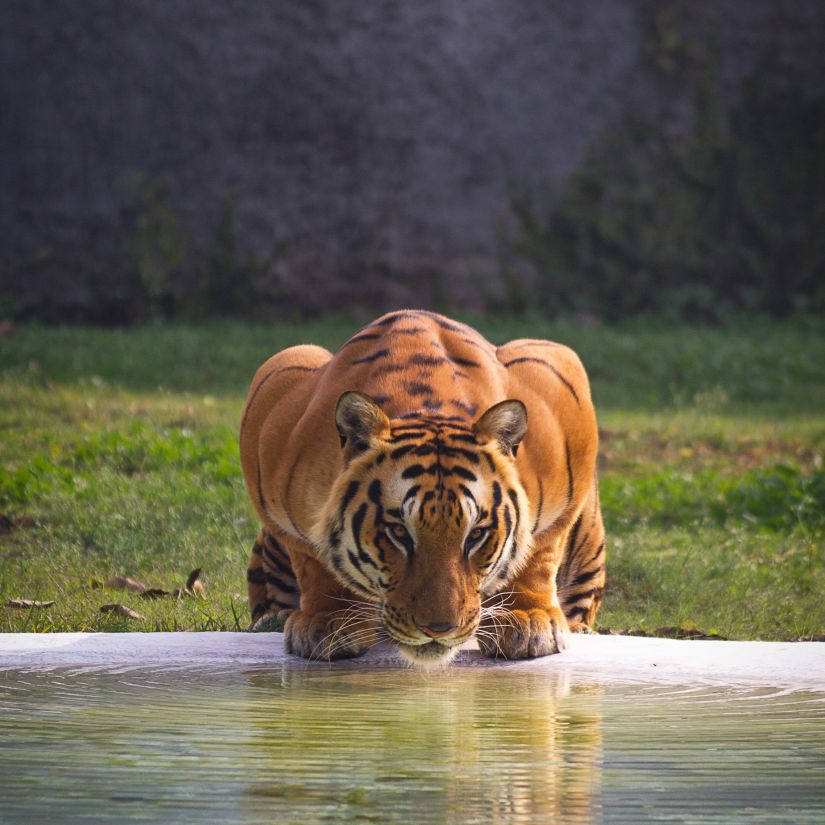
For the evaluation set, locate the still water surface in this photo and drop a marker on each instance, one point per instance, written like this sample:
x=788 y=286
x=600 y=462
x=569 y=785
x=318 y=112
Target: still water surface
x=315 y=745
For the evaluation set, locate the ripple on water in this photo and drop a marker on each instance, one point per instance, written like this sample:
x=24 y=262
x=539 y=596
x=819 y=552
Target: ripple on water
x=382 y=745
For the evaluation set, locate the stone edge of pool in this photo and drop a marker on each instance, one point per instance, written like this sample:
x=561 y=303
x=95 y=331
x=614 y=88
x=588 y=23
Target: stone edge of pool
x=796 y=665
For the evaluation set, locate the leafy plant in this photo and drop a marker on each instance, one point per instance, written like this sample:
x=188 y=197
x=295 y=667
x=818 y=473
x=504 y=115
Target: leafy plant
x=728 y=216
x=157 y=247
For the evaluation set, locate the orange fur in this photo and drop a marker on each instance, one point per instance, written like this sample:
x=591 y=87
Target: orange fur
x=424 y=382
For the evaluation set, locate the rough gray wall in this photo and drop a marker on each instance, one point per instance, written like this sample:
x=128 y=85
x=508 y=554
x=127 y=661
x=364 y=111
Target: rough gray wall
x=375 y=143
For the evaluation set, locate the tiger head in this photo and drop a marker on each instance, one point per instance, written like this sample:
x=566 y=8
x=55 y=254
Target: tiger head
x=426 y=519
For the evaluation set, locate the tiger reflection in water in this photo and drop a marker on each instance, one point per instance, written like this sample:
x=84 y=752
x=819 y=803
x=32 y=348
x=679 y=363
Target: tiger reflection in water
x=425 y=486
x=470 y=744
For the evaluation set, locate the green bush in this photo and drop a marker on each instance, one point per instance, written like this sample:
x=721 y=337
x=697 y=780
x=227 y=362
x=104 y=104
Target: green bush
x=727 y=217
x=778 y=498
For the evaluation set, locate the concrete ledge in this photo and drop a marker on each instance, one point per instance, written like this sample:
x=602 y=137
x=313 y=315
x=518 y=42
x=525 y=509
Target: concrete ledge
x=794 y=665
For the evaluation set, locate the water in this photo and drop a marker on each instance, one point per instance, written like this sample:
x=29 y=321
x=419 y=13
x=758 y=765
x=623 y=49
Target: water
x=389 y=745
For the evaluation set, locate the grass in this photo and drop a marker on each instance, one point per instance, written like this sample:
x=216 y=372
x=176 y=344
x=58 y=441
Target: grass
x=118 y=456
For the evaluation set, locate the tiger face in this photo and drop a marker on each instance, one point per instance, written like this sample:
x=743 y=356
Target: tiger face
x=427 y=518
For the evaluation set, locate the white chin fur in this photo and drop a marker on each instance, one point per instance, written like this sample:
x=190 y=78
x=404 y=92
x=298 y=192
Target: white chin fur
x=427 y=656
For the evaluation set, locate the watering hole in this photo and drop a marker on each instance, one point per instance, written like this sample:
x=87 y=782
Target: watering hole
x=394 y=745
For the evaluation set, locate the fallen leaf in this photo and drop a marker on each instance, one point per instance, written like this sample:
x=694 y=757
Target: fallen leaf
x=23 y=603
x=120 y=610
x=154 y=593
x=125 y=583
x=9 y=523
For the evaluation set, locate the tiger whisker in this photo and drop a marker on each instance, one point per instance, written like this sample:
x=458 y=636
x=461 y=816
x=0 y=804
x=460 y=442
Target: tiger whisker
x=339 y=634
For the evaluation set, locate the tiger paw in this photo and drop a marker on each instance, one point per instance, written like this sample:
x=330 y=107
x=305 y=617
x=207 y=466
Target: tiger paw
x=327 y=635
x=525 y=634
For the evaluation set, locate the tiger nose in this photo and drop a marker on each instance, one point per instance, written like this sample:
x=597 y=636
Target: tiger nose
x=436 y=630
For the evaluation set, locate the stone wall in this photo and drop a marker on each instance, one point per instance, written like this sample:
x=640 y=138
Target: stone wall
x=368 y=150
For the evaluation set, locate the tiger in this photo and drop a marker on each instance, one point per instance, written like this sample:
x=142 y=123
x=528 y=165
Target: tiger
x=424 y=486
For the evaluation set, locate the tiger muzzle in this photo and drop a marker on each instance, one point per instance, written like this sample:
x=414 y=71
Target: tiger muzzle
x=436 y=630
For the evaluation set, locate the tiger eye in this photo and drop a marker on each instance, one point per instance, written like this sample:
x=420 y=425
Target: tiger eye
x=476 y=534
x=399 y=531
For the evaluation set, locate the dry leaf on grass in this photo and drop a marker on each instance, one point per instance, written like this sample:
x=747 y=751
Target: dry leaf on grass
x=155 y=593
x=125 y=583
x=11 y=523
x=24 y=603
x=120 y=610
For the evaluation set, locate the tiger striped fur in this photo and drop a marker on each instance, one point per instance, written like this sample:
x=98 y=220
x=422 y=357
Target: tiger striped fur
x=425 y=486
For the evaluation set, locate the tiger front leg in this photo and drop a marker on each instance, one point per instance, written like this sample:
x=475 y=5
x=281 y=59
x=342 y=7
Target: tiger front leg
x=525 y=620
x=332 y=622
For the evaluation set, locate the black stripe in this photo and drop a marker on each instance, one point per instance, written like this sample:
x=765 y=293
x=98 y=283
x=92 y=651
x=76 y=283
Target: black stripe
x=368 y=359
x=463 y=472
x=288 y=488
x=366 y=336
x=571 y=539
x=538 y=509
x=464 y=362
x=577 y=612
x=255 y=575
x=374 y=493
x=426 y=360
x=349 y=494
x=285 y=569
x=598 y=552
x=585 y=577
x=444 y=324
x=514 y=499
x=453 y=452
x=260 y=487
x=558 y=375
x=414 y=471
x=395 y=316
x=357 y=523
x=537 y=343
x=355 y=563
x=508 y=522
x=569 y=472
x=281 y=584
x=408 y=435
x=468 y=493
x=426 y=449
x=411 y=493
x=400 y=452
x=470 y=409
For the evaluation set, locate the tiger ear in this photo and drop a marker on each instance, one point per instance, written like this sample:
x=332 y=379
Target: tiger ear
x=359 y=420
x=505 y=422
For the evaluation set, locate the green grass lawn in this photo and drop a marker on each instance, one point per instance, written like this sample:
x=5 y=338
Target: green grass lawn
x=118 y=456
